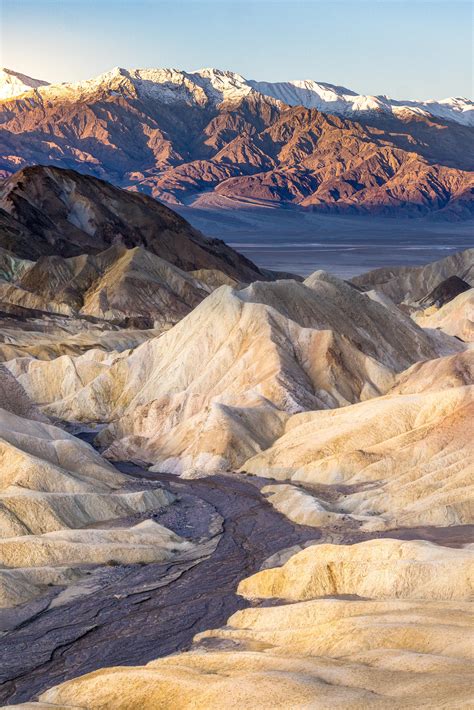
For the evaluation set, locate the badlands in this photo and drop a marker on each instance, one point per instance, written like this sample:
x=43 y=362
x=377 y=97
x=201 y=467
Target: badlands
x=224 y=487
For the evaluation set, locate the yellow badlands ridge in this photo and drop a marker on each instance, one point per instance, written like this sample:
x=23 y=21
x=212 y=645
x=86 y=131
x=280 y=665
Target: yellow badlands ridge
x=455 y=318
x=375 y=569
x=397 y=450
x=265 y=352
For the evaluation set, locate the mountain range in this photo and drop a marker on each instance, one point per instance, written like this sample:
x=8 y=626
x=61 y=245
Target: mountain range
x=213 y=138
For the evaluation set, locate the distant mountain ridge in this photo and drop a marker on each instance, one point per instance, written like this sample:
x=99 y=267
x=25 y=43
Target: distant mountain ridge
x=215 y=85
x=212 y=137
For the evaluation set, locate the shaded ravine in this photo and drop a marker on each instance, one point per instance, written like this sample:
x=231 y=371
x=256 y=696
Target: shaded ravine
x=133 y=620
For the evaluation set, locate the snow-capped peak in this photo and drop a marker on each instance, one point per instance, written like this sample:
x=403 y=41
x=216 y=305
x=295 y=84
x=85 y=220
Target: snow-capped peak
x=210 y=86
x=225 y=85
x=345 y=102
x=12 y=83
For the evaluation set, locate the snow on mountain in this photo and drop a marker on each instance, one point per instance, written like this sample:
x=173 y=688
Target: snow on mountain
x=13 y=83
x=166 y=85
x=342 y=101
x=214 y=86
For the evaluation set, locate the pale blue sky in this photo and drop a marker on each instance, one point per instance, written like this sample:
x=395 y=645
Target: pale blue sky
x=416 y=49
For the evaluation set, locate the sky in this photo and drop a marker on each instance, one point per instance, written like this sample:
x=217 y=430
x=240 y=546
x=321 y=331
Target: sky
x=405 y=49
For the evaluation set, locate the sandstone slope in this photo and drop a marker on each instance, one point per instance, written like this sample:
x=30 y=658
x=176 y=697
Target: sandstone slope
x=456 y=317
x=430 y=375
x=410 y=284
x=124 y=286
x=380 y=569
x=330 y=484
x=52 y=487
x=344 y=400
x=45 y=336
x=395 y=452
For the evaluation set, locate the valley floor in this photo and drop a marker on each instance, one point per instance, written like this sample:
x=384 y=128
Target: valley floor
x=300 y=241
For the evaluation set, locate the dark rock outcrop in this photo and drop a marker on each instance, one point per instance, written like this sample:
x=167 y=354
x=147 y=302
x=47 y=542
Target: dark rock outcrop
x=48 y=210
x=445 y=292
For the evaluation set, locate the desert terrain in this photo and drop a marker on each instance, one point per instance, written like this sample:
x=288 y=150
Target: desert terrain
x=224 y=485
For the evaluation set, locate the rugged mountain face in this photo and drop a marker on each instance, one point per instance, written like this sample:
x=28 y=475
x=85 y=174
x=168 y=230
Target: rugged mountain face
x=214 y=86
x=181 y=137
x=118 y=319
x=53 y=211
x=13 y=83
x=85 y=265
x=445 y=292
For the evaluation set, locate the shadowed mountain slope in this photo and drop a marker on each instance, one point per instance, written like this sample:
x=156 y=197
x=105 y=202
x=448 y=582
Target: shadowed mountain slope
x=129 y=287
x=46 y=210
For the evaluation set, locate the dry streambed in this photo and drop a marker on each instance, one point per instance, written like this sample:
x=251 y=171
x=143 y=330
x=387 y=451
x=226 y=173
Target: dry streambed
x=131 y=614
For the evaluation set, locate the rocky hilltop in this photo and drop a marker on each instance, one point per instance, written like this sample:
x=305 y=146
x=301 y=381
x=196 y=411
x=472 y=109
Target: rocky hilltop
x=189 y=138
x=46 y=210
